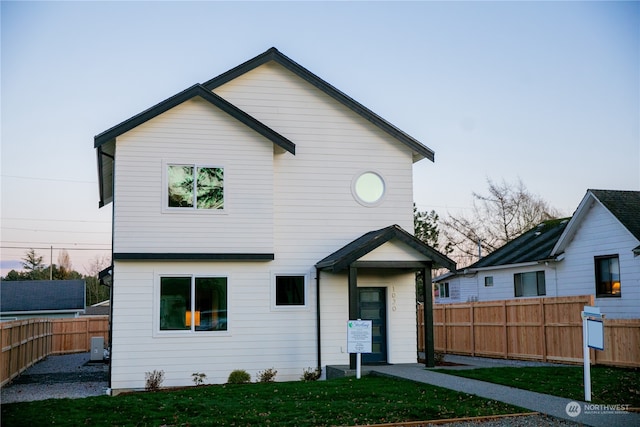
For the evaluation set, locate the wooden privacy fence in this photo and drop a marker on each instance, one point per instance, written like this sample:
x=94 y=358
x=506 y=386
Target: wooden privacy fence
x=545 y=329
x=27 y=341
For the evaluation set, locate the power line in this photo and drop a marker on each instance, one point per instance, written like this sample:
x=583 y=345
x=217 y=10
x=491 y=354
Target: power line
x=56 y=231
x=55 y=248
x=56 y=220
x=49 y=179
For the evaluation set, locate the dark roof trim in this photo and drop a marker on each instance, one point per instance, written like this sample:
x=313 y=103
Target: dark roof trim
x=349 y=254
x=274 y=55
x=146 y=256
x=185 y=95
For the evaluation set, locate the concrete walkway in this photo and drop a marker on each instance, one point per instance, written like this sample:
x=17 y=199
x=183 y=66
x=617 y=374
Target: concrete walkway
x=559 y=407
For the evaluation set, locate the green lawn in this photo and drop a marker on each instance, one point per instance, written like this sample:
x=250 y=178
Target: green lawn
x=337 y=402
x=608 y=385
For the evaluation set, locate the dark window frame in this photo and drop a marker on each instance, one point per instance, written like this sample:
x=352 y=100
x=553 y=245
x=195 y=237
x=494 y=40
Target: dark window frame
x=290 y=290
x=607 y=288
x=518 y=284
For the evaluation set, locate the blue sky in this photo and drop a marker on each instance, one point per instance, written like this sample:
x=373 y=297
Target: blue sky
x=545 y=92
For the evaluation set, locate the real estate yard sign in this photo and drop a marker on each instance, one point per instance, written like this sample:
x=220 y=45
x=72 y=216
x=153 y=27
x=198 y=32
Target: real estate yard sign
x=358 y=340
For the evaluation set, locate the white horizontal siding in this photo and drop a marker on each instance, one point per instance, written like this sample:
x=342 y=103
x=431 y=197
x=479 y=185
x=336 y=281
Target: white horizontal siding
x=401 y=314
x=602 y=234
x=193 y=132
x=258 y=337
x=315 y=211
x=393 y=251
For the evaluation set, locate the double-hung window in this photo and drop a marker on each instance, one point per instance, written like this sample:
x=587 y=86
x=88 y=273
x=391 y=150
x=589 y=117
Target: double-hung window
x=191 y=186
x=607 y=276
x=189 y=303
x=529 y=284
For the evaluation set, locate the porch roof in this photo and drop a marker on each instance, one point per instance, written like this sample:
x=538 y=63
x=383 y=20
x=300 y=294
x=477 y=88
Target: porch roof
x=350 y=253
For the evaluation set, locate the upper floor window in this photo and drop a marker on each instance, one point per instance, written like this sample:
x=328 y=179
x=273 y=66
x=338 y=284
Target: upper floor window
x=529 y=284
x=607 y=276
x=195 y=187
x=368 y=188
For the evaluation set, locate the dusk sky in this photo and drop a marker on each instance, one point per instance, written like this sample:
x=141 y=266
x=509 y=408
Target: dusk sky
x=544 y=92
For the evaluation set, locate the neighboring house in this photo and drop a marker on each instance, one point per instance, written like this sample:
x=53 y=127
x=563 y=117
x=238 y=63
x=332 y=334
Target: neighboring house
x=254 y=215
x=41 y=299
x=593 y=253
x=102 y=308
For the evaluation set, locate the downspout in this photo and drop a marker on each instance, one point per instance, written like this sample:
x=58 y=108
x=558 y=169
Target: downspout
x=319 y=344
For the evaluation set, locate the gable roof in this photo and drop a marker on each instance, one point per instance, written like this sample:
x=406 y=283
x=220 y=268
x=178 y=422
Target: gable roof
x=42 y=296
x=623 y=205
x=532 y=246
x=420 y=150
x=104 y=142
x=343 y=257
x=185 y=95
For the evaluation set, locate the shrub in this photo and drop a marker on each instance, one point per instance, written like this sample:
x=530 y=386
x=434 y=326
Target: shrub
x=239 y=376
x=310 y=374
x=198 y=378
x=438 y=357
x=153 y=380
x=267 y=376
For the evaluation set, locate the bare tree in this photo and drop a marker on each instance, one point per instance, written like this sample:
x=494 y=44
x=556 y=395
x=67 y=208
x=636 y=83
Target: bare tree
x=64 y=265
x=498 y=217
x=95 y=291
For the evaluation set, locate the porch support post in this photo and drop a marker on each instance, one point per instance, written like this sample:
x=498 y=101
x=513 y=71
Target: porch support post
x=428 y=316
x=353 y=305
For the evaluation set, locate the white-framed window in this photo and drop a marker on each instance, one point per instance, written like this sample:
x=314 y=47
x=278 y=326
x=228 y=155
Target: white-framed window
x=289 y=291
x=193 y=303
x=529 y=284
x=443 y=290
x=193 y=186
x=368 y=188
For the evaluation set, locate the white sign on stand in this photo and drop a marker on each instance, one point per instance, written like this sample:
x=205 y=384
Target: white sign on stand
x=592 y=337
x=359 y=340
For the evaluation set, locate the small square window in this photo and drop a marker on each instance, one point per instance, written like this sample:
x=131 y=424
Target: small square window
x=443 y=290
x=290 y=290
x=488 y=281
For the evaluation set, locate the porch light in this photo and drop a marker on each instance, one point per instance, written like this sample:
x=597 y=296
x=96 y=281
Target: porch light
x=188 y=318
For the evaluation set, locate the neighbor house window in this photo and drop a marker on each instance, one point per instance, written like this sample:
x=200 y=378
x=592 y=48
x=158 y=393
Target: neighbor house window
x=193 y=303
x=608 y=276
x=488 y=281
x=530 y=284
x=195 y=187
x=290 y=290
x=443 y=292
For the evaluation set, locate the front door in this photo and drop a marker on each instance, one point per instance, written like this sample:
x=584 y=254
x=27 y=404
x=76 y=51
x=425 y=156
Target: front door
x=373 y=307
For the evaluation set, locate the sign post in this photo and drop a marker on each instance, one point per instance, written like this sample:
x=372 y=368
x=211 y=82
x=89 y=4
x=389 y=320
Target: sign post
x=359 y=340
x=592 y=337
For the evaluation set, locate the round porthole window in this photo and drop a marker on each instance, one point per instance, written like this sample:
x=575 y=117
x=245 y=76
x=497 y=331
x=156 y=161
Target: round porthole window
x=368 y=188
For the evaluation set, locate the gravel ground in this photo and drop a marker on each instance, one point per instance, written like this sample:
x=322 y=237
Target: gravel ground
x=57 y=377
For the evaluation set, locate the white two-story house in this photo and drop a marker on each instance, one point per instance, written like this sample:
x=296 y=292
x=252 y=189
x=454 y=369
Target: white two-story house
x=253 y=216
